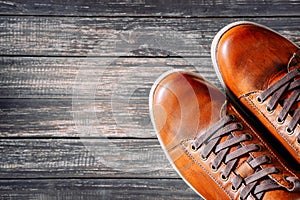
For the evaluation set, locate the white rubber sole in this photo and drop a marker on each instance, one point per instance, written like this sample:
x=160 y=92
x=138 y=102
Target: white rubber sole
x=154 y=86
x=216 y=40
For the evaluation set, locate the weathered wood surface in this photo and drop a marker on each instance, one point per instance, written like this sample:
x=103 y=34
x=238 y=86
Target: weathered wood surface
x=151 y=8
x=73 y=36
x=73 y=77
x=83 y=158
x=74 y=119
x=58 y=118
x=74 y=189
x=81 y=97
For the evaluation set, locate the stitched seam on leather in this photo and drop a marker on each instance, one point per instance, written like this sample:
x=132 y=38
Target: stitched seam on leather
x=253 y=105
x=246 y=95
x=266 y=146
x=281 y=134
x=199 y=164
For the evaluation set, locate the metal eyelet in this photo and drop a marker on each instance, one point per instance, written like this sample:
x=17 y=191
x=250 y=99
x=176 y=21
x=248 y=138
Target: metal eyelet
x=233 y=189
x=269 y=111
x=259 y=147
x=269 y=159
x=193 y=147
x=203 y=158
x=278 y=171
x=248 y=136
x=289 y=131
x=232 y=117
x=240 y=126
x=213 y=168
x=279 y=121
x=259 y=100
x=223 y=178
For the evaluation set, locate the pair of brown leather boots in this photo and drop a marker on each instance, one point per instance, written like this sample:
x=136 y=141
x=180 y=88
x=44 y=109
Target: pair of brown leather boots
x=245 y=145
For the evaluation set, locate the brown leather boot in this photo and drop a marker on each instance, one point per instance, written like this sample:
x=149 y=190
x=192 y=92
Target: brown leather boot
x=212 y=146
x=260 y=69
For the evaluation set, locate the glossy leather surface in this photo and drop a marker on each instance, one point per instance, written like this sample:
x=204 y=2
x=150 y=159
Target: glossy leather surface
x=183 y=105
x=256 y=57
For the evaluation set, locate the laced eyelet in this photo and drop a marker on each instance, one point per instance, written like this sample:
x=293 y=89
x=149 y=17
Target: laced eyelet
x=278 y=171
x=269 y=159
x=289 y=131
x=240 y=126
x=203 y=158
x=223 y=178
x=259 y=148
x=232 y=117
x=279 y=121
x=233 y=189
x=248 y=136
x=213 y=168
x=269 y=111
x=259 y=100
x=193 y=147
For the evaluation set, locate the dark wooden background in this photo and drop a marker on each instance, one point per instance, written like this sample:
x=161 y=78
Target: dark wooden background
x=74 y=82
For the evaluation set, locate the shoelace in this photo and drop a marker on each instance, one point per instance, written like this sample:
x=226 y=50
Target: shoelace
x=258 y=182
x=288 y=84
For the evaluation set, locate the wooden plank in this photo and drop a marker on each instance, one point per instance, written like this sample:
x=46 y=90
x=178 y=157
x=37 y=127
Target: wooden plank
x=76 y=36
x=174 y=8
x=37 y=118
x=99 y=78
x=58 y=118
x=83 y=158
x=160 y=189
x=70 y=97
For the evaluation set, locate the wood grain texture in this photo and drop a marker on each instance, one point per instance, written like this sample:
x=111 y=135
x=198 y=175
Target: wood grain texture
x=74 y=119
x=58 y=118
x=46 y=189
x=72 y=77
x=83 y=158
x=151 y=8
x=83 y=97
x=73 y=36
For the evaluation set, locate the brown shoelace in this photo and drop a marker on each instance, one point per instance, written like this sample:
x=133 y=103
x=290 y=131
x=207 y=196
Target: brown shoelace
x=289 y=84
x=256 y=183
